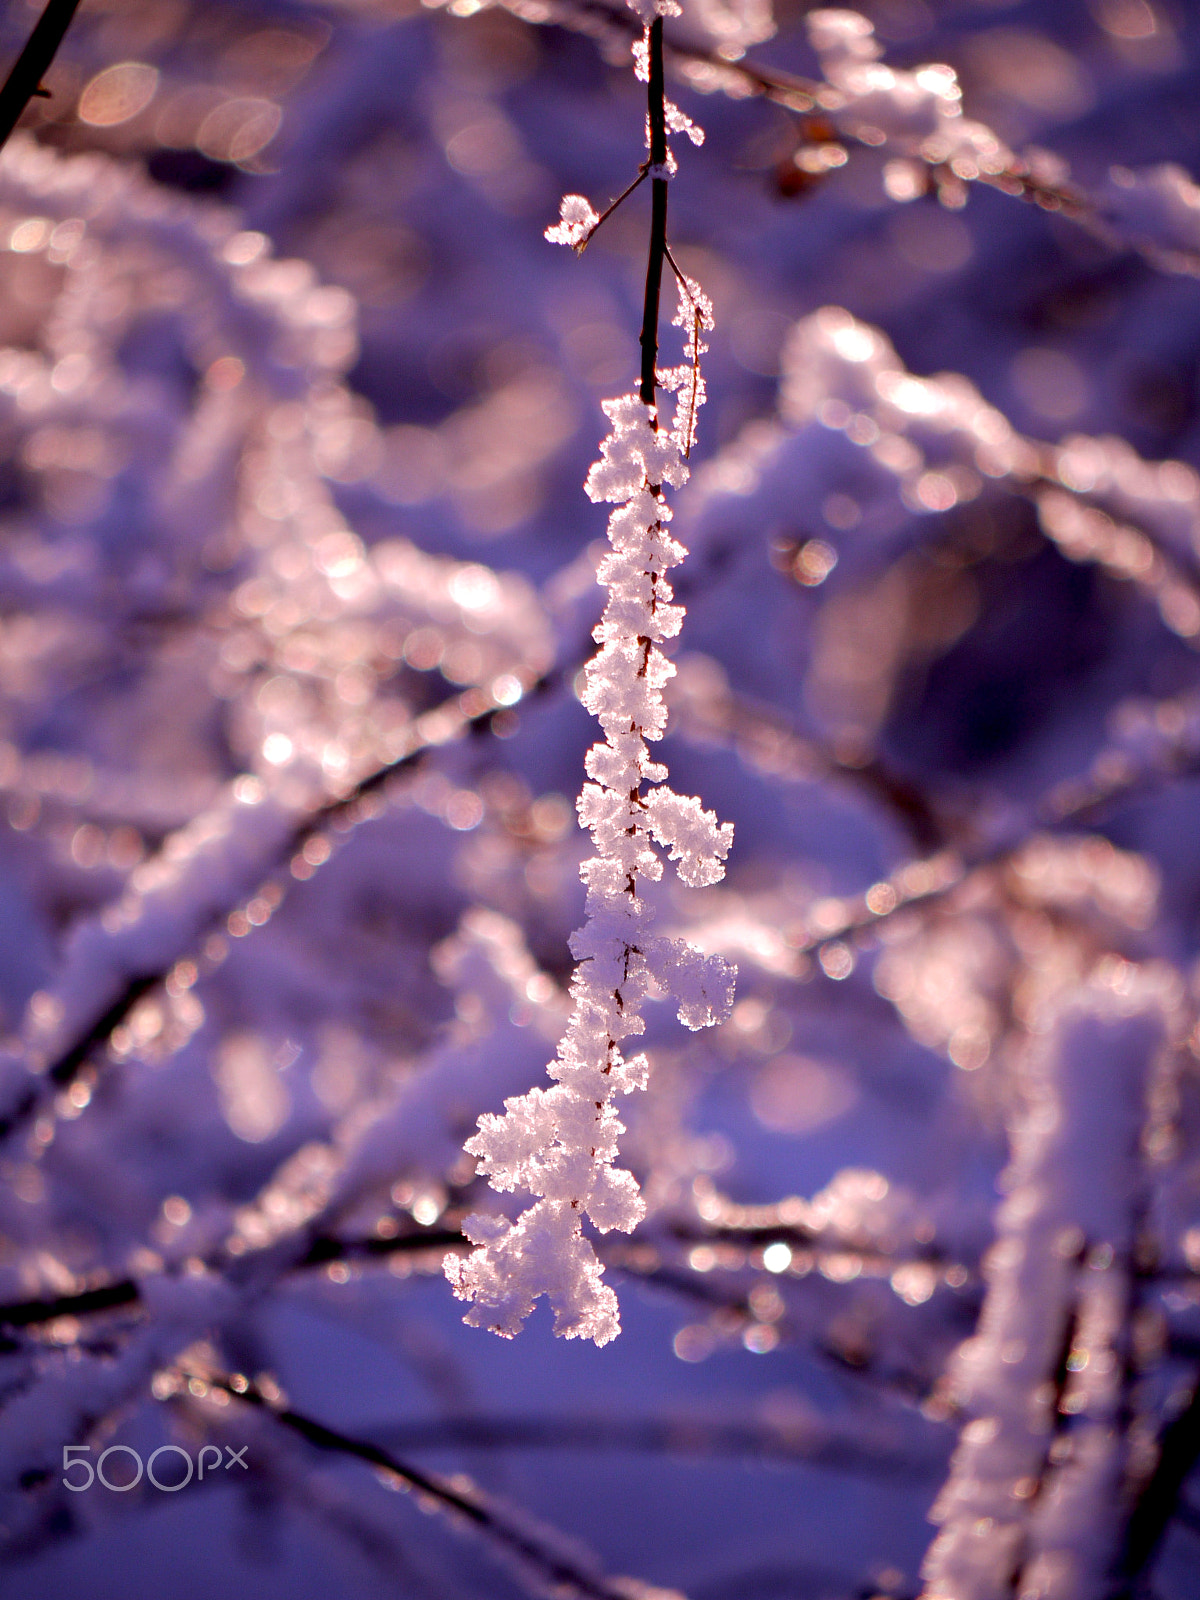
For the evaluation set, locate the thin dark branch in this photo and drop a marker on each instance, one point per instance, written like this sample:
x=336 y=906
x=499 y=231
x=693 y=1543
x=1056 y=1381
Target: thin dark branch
x=697 y=326
x=679 y=1282
x=656 y=103
x=124 y=1292
x=560 y=1570
x=680 y=279
x=87 y=1302
x=643 y=170
x=25 y=79
x=67 y=1066
x=1179 y=1451
x=1059 y=1422
x=325 y=1248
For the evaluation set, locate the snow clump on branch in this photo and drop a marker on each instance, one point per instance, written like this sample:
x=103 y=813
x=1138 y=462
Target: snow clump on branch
x=578 y=222
x=559 y=1143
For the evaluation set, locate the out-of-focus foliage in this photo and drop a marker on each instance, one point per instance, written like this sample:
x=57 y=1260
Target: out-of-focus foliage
x=297 y=583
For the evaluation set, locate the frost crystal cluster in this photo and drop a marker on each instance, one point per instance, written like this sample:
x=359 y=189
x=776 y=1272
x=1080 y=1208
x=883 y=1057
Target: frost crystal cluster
x=559 y=1143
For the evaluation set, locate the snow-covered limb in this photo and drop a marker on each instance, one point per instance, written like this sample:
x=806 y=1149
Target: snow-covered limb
x=1029 y=1503
x=914 y=116
x=559 y=1144
x=940 y=444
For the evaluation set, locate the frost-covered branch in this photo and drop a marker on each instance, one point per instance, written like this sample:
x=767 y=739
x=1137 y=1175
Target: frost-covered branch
x=939 y=444
x=113 y=965
x=1051 y=1448
x=559 y=1144
x=915 y=116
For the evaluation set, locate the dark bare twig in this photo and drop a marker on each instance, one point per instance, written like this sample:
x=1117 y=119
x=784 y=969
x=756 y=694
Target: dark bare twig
x=1159 y=1501
x=656 y=101
x=326 y=1249
x=1058 y=1384
x=322 y=1251
x=24 y=81
x=564 y=1572
x=643 y=170
x=67 y=1066
x=87 y=1302
x=677 y=270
